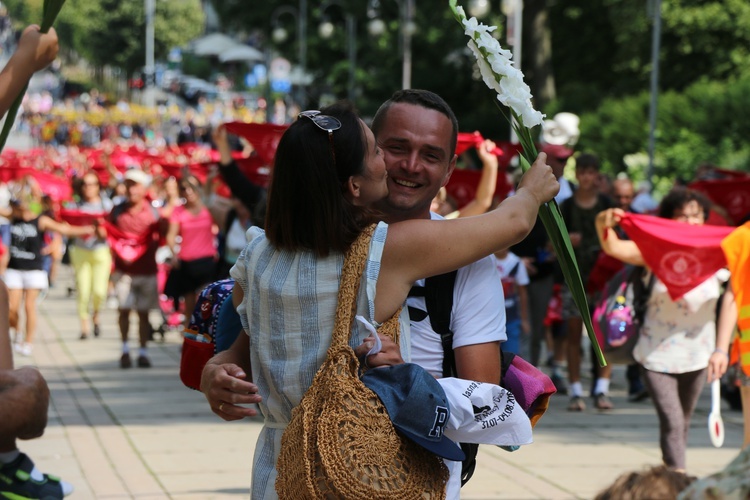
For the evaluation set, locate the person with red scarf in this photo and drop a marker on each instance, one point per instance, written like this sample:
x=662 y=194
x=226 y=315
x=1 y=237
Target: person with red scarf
x=134 y=230
x=676 y=347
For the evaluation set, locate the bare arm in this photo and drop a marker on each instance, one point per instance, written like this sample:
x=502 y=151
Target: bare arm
x=225 y=380
x=172 y=232
x=50 y=224
x=625 y=250
x=6 y=351
x=719 y=360
x=418 y=248
x=487 y=183
x=24 y=397
x=480 y=362
x=35 y=51
x=225 y=384
x=219 y=136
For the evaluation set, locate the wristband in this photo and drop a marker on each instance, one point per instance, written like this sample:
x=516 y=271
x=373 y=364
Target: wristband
x=721 y=351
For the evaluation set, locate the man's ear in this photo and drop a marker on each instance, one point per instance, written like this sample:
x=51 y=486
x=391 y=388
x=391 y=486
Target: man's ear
x=451 y=168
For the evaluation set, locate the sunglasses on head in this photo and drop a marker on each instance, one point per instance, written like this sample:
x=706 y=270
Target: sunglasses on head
x=324 y=122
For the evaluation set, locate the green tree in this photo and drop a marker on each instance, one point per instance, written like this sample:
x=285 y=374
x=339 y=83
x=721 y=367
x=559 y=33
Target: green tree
x=112 y=32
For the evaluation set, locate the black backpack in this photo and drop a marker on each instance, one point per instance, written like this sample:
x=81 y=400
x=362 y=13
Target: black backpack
x=438 y=295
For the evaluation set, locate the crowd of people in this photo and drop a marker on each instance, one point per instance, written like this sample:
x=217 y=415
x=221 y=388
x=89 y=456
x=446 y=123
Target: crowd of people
x=334 y=177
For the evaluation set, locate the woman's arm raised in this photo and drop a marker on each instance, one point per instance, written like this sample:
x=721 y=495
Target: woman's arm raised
x=418 y=249
x=625 y=250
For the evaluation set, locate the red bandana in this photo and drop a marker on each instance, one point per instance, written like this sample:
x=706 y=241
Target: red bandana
x=682 y=256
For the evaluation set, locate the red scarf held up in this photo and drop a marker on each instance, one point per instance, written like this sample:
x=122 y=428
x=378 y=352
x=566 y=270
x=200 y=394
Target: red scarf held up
x=733 y=194
x=682 y=256
x=127 y=246
x=76 y=217
x=264 y=137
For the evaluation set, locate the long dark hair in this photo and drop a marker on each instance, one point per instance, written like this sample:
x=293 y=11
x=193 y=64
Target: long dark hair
x=307 y=206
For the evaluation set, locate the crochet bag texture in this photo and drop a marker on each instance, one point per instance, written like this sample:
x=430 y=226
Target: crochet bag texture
x=340 y=442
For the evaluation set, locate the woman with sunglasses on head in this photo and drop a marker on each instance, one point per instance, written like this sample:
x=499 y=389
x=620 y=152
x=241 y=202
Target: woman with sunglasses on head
x=90 y=257
x=328 y=171
x=194 y=262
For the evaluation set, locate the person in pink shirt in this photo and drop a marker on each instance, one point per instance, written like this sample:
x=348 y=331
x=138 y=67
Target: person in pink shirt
x=192 y=239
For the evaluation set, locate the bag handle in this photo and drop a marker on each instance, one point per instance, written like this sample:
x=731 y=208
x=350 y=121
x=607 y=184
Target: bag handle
x=351 y=276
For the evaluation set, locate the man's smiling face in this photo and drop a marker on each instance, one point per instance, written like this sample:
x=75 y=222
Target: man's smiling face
x=416 y=144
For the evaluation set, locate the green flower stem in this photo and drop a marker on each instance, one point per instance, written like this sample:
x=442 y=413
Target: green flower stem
x=558 y=234
x=50 y=10
x=551 y=217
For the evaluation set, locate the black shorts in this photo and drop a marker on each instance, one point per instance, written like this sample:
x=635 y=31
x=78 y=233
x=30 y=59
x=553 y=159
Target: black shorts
x=190 y=276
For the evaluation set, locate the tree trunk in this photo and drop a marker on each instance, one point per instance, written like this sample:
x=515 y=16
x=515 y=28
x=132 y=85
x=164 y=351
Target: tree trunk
x=538 y=40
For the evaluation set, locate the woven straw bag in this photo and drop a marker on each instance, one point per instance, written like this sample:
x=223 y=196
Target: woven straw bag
x=340 y=442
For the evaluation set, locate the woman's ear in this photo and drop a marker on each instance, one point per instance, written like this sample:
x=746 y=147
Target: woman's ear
x=353 y=188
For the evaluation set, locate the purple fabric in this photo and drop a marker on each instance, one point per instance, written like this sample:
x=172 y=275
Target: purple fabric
x=531 y=387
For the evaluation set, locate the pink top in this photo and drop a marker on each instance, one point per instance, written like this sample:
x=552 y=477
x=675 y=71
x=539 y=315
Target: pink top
x=196 y=231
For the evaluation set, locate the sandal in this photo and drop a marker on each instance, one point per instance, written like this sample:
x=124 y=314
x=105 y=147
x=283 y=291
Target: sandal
x=16 y=482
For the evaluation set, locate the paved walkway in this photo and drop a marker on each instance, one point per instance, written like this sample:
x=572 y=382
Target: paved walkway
x=139 y=433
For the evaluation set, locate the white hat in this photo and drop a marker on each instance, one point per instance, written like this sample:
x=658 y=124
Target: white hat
x=484 y=413
x=138 y=176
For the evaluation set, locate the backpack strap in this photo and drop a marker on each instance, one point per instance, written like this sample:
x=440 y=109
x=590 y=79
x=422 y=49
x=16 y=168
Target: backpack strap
x=641 y=291
x=514 y=271
x=438 y=296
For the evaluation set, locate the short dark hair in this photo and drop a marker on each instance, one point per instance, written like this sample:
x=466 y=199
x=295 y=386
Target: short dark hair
x=587 y=160
x=423 y=98
x=680 y=196
x=307 y=206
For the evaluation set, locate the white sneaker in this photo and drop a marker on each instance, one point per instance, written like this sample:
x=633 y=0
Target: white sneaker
x=24 y=349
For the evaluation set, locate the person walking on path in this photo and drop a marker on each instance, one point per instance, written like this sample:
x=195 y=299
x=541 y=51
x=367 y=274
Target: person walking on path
x=677 y=342
x=135 y=269
x=91 y=258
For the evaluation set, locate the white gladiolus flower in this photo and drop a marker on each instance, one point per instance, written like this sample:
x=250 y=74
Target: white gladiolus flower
x=484 y=68
x=499 y=74
x=497 y=70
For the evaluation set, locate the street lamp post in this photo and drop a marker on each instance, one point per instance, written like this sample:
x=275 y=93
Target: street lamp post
x=150 y=68
x=513 y=11
x=407 y=31
x=655 y=49
x=279 y=35
x=326 y=30
x=376 y=27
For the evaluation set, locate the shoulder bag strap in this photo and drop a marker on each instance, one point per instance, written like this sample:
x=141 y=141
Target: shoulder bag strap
x=351 y=276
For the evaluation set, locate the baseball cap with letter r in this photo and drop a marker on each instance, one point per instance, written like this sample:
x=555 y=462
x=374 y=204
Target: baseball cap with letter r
x=416 y=404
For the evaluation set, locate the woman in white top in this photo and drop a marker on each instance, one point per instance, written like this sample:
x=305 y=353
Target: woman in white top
x=677 y=343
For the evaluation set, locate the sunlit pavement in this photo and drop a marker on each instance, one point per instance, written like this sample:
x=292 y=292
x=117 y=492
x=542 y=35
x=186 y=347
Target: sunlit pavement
x=139 y=433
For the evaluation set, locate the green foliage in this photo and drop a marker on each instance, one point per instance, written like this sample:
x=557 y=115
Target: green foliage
x=197 y=66
x=703 y=124
x=112 y=32
x=115 y=30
